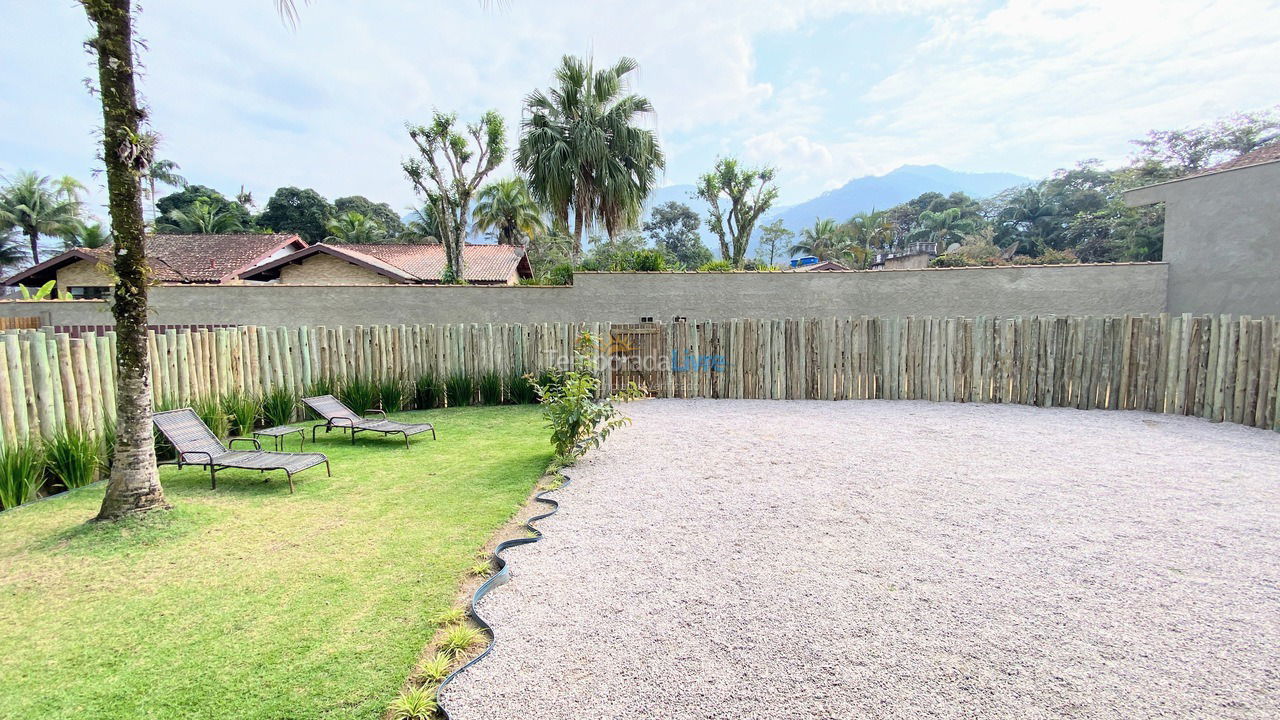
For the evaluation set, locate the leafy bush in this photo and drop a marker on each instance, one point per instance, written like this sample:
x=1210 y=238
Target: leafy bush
x=716 y=266
x=108 y=440
x=491 y=389
x=391 y=394
x=359 y=394
x=322 y=386
x=415 y=704
x=21 y=472
x=951 y=260
x=244 y=409
x=1048 y=257
x=210 y=411
x=279 y=406
x=437 y=668
x=520 y=390
x=647 y=260
x=428 y=392
x=459 y=390
x=459 y=638
x=579 y=421
x=74 y=457
x=561 y=274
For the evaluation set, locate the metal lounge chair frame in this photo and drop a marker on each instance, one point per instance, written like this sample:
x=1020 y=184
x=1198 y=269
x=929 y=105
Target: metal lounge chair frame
x=195 y=444
x=337 y=415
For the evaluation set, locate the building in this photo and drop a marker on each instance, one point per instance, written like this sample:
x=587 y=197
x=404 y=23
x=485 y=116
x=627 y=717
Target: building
x=915 y=256
x=818 y=266
x=323 y=264
x=1222 y=235
x=83 y=273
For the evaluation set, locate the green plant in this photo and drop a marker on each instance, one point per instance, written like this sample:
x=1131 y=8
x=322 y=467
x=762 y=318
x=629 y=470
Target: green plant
x=716 y=266
x=322 y=386
x=211 y=412
x=42 y=293
x=480 y=569
x=391 y=394
x=437 y=668
x=416 y=704
x=359 y=394
x=74 y=457
x=458 y=638
x=279 y=406
x=428 y=392
x=244 y=409
x=452 y=615
x=459 y=390
x=108 y=439
x=21 y=472
x=579 y=421
x=951 y=260
x=491 y=388
x=520 y=390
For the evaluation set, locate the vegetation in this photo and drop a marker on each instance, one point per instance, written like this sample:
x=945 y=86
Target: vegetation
x=459 y=390
x=244 y=409
x=437 y=667
x=37 y=205
x=21 y=472
x=352 y=227
x=391 y=394
x=460 y=638
x=490 y=386
x=200 y=218
x=214 y=414
x=577 y=419
x=415 y=704
x=260 y=595
x=380 y=213
x=673 y=228
x=774 y=240
x=520 y=390
x=80 y=233
x=279 y=406
x=297 y=210
x=74 y=458
x=359 y=394
x=746 y=194
x=507 y=211
x=428 y=392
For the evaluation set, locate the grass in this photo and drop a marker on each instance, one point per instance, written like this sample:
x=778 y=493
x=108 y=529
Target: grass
x=247 y=602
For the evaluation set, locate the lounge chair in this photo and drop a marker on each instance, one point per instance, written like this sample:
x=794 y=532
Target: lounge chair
x=195 y=444
x=338 y=415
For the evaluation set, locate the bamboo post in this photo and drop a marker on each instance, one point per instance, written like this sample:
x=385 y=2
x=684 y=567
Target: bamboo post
x=106 y=368
x=17 y=387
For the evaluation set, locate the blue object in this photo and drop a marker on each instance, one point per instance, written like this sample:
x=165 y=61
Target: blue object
x=804 y=260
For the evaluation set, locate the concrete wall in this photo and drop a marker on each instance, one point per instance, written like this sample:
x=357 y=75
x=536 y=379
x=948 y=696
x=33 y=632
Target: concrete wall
x=626 y=297
x=1221 y=240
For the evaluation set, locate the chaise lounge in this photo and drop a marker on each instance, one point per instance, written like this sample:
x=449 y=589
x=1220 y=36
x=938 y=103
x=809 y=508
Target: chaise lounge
x=338 y=415
x=195 y=444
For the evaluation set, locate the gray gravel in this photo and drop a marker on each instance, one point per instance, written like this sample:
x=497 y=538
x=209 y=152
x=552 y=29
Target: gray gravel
x=765 y=559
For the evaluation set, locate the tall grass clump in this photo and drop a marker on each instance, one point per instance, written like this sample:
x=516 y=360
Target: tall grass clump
x=244 y=409
x=108 y=440
x=279 y=406
x=491 y=388
x=428 y=392
x=391 y=394
x=21 y=472
x=359 y=394
x=210 y=411
x=459 y=389
x=520 y=390
x=416 y=704
x=74 y=457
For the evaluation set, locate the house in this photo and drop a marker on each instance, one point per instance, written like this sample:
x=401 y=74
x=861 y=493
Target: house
x=912 y=257
x=324 y=264
x=819 y=266
x=1222 y=235
x=84 y=273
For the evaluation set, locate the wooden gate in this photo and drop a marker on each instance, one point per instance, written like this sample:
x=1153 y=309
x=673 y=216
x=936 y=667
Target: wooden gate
x=635 y=355
x=19 y=323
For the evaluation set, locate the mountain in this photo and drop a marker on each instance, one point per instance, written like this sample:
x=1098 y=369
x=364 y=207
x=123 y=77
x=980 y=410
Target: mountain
x=881 y=192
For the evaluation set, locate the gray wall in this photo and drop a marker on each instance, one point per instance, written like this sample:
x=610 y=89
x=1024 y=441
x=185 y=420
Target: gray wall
x=1221 y=240
x=626 y=297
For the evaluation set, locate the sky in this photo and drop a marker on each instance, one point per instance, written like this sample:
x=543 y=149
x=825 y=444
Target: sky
x=823 y=90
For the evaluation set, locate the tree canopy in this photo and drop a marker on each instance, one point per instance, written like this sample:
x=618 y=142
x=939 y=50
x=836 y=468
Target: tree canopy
x=380 y=213
x=297 y=210
x=673 y=228
x=737 y=197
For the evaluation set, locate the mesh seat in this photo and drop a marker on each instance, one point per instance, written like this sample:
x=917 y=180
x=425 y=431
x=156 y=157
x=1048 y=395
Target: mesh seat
x=338 y=415
x=195 y=444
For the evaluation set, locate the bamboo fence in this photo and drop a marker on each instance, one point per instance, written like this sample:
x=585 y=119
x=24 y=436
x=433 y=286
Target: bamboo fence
x=1220 y=368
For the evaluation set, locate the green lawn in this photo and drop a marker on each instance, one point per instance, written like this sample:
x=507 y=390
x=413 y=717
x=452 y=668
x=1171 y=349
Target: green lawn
x=251 y=603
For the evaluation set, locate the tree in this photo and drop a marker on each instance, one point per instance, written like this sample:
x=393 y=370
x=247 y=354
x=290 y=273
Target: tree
x=201 y=218
x=81 y=234
x=505 y=208
x=1029 y=218
x=775 y=239
x=673 y=228
x=164 y=172
x=442 y=176
x=944 y=228
x=583 y=152
x=1169 y=154
x=11 y=251
x=747 y=194
x=295 y=210
x=422 y=227
x=824 y=241
x=380 y=213
x=134 y=484
x=36 y=205
x=354 y=228
x=185 y=198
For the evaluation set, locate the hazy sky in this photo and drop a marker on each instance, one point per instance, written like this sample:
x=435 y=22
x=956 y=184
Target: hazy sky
x=824 y=90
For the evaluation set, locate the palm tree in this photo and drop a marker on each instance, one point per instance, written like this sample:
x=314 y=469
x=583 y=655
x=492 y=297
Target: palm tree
x=37 y=205
x=1033 y=216
x=81 y=234
x=505 y=208
x=582 y=150
x=11 y=251
x=870 y=229
x=200 y=218
x=422 y=226
x=165 y=173
x=823 y=241
x=944 y=228
x=354 y=228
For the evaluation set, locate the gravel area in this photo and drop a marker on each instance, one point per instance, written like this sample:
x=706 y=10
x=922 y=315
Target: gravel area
x=766 y=559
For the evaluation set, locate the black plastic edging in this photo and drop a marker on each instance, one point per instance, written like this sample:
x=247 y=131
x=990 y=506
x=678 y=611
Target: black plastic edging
x=499 y=578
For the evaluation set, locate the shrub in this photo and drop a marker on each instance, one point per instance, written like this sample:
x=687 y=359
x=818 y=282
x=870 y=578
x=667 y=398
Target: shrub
x=1048 y=257
x=244 y=409
x=716 y=266
x=491 y=389
x=210 y=411
x=322 y=386
x=951 y=260
x=520 y=390
x=459 y=638
x=359 y=394
x=647 y=260
x=459 y=390
x=561 y=274
x=108 y=440
x=428 y=392
x=415 y=704
x=391 y=394
x=279 y=406
x=437 y=668
x=74 y=457
x=579 y=421
x=21 y=472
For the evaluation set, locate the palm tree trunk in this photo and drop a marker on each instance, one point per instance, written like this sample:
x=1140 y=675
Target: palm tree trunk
x=34 y=238
x=134 y=485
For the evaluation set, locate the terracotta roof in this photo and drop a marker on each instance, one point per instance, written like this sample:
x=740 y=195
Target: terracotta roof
x=418 y=263
x=1265 y=154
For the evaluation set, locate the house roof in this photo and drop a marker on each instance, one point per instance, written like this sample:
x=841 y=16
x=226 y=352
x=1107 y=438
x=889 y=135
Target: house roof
x=405 y=263
x=824 y=266
x=209 y=259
